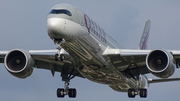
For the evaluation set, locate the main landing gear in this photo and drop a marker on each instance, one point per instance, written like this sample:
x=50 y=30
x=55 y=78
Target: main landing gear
x=71 y=92
x=132 y=92
x=141 y=92
x=66 y=76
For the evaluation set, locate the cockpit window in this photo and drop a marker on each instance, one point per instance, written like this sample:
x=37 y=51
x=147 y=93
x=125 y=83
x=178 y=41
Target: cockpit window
x=61 y=11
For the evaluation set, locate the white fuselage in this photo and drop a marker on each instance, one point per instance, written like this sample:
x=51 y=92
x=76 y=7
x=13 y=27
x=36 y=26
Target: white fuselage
x=85 y=41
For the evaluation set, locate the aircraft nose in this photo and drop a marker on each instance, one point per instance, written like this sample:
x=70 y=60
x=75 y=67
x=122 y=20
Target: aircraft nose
x=54 y=27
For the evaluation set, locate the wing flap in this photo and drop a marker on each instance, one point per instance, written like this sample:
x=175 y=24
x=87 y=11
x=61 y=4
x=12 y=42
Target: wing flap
x=127 y=59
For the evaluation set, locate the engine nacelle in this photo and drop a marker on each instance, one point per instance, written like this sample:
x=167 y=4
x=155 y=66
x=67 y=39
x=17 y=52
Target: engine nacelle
x=160 y=63
x=19 y=63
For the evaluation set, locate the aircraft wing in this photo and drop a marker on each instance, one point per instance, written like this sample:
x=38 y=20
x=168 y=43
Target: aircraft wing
x=45 y=59
x=176 y=55
x=126 y=60
x=2 y=55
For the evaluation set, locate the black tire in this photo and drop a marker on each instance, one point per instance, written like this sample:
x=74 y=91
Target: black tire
x=72 y=93
x=61 y=57
x=56 y=57
x=60 y=93
x=131 y=93
x=143 y=93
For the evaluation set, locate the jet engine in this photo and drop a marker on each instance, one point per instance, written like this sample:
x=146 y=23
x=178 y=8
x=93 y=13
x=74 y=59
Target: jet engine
x=160 y=63
x=19 y=63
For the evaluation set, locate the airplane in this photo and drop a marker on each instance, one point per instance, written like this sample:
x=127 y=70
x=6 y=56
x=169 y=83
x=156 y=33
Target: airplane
x=85 y=50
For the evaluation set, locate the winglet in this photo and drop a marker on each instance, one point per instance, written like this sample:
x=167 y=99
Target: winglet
x=145 y=35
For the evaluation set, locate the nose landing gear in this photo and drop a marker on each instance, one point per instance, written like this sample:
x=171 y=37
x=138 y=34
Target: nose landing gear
x=59 y=56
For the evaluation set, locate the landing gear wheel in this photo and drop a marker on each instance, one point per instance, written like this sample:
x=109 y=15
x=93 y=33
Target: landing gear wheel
x=60 y=93
x=66 y=76
x=137 y=90
x=61 y=57
x=143 y=93
x=72 y=93
x=56 y=57
x=131 y=93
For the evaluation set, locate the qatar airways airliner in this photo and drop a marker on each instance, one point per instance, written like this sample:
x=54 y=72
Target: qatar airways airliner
x=85 y=50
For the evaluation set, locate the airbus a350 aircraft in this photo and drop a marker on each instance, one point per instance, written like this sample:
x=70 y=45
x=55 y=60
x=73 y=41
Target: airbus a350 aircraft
x=86 y=50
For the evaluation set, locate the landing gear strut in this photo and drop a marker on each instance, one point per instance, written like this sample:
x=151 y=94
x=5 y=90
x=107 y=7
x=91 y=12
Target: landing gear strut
x=71 y=92
x=142 y=92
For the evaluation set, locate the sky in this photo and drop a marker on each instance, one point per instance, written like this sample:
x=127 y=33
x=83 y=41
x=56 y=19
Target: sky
x=23 y=26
